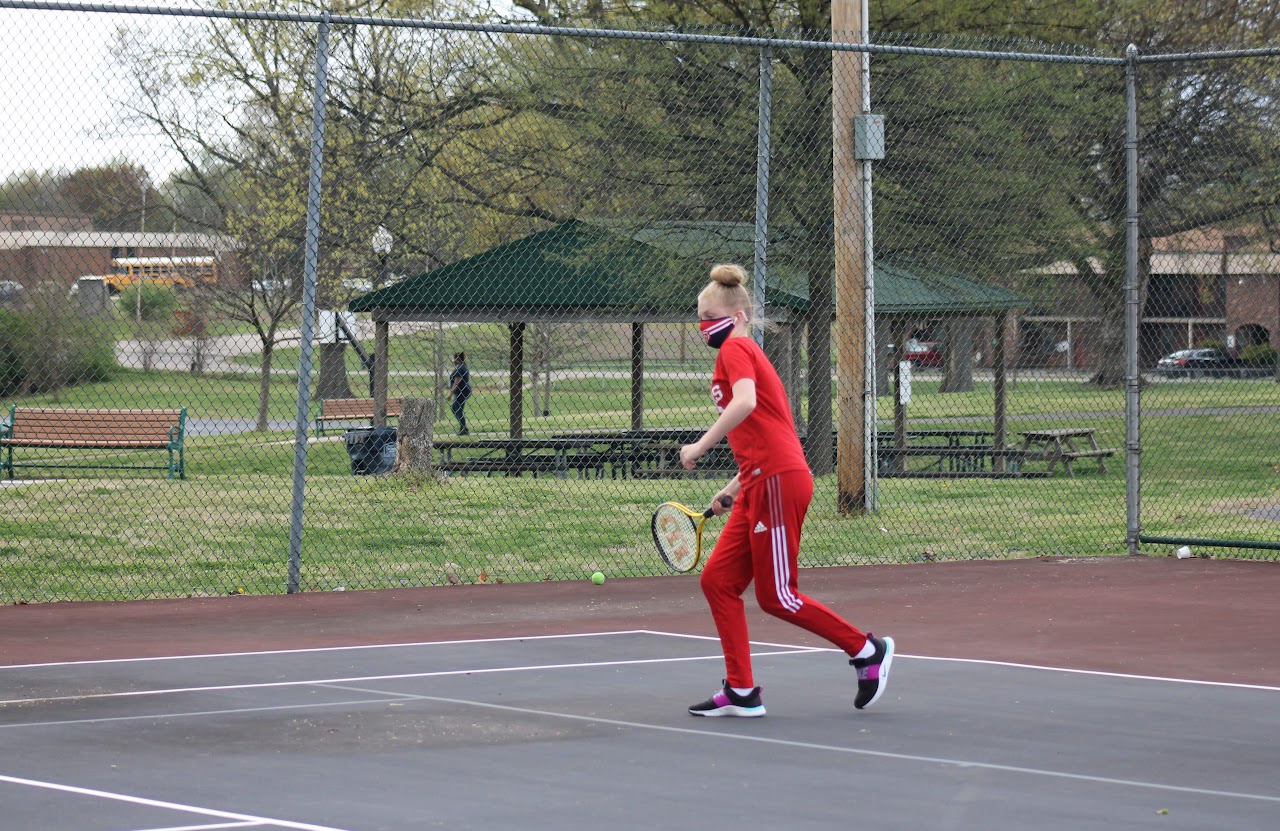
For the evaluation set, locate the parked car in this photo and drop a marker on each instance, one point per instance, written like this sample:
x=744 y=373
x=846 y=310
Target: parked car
x=1196 y=363
x=924 y=354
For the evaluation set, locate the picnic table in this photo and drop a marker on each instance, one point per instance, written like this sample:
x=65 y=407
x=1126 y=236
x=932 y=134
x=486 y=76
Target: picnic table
x=514 y=457
x=654 y=452
x=947 y=454
x=1059 y=444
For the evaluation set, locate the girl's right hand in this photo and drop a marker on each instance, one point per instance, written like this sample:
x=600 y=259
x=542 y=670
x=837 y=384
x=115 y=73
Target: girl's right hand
x=722 y=503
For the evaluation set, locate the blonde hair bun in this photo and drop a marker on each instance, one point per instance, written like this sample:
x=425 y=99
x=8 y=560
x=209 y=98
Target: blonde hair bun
x=728 y=275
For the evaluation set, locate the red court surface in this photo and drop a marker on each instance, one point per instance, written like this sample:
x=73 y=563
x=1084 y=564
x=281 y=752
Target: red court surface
x=1201 y=619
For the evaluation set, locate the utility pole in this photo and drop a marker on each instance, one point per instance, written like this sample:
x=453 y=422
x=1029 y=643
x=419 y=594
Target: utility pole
x=854 y=382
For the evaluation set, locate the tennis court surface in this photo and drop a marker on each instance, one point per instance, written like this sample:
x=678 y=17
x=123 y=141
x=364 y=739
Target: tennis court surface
x=1047 y=694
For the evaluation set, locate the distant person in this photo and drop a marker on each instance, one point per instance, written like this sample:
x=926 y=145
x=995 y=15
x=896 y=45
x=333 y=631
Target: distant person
x=460 y=391
x=771 y=493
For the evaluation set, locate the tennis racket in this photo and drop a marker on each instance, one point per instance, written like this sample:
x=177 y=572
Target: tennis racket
x=677 y=531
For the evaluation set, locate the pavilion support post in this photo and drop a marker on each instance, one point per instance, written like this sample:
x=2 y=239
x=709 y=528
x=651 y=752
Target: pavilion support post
x=515 y=380
x=796 y=349
x=1000 y=369
x=637 y=376
x=381 y=348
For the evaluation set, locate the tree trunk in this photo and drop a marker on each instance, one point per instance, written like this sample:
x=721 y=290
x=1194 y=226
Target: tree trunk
x=264 y=384
x=957 y=374
x=333 y=372
x=199 y=353
x=818 y=444
x=414 y=446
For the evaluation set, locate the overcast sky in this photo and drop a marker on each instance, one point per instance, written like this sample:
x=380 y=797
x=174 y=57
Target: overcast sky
x=57 y=90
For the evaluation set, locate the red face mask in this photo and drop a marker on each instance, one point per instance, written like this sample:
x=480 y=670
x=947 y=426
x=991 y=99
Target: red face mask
x=716 y=331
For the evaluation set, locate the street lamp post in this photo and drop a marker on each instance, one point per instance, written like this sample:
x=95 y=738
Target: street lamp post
x=382 y=242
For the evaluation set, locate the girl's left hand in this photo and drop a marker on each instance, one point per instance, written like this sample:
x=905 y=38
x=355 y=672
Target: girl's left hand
x=689 y=456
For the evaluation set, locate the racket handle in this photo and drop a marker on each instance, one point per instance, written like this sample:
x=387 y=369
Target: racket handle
x=726 y=501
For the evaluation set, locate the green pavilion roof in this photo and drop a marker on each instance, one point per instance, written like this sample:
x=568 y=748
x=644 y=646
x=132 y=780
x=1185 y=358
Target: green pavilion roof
x=620 y=267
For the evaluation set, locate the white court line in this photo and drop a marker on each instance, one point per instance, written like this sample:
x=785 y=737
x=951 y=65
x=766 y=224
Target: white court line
x=395 y=677
x=393 y=696
x=853 y=751
x=209 y=827
x=796 y=648
x=1101 y=673
x=354 y=648
x=248 y=819
x=1040 y=667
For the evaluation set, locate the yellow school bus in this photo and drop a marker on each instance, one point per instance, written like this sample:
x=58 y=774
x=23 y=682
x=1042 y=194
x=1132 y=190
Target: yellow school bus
x=181 y=272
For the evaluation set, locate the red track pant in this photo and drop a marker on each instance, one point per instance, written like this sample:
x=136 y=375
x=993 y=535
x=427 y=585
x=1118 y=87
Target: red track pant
x=761 y=541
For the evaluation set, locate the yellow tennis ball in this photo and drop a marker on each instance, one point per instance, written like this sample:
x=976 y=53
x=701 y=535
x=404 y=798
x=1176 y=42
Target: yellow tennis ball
x=597 y=578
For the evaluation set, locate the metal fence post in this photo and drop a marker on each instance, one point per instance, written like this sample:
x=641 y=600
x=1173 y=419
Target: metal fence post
x=309 y=269
x=763 y=150
x=1132 y=312
x=870 y=415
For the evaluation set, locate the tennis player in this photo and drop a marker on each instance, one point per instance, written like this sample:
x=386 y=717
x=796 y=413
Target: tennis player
x=771 y=495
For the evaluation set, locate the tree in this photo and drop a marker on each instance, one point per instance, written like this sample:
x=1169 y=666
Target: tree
x=33 y=191
x=721 y=174
x=151 y=306
x=1207 y=145
x=116 y=195
x=235 y=104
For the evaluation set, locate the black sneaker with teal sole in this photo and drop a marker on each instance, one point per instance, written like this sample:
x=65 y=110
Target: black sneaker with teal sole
x=873 y=672
x=726 y=702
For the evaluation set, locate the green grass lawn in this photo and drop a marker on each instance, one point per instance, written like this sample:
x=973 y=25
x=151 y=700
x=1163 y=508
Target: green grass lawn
x=1210 y=468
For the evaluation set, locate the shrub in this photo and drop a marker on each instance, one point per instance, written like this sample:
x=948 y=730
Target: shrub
x=45 y=346
x=15 y=343
x=1263 y=354
x=156 y=304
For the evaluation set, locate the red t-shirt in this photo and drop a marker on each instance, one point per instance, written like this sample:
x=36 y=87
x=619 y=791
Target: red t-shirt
x=765 y=443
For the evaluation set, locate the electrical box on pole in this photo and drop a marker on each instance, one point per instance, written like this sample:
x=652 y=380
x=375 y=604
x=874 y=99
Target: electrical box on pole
x=868 y=138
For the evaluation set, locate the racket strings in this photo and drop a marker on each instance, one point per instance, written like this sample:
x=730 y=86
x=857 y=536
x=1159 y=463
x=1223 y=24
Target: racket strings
x=677 y=537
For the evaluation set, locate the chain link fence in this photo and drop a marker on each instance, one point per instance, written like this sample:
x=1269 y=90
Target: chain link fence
x=322 y=302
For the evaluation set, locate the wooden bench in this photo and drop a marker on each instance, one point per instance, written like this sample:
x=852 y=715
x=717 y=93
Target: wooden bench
x=350 y=410
x=95 y=429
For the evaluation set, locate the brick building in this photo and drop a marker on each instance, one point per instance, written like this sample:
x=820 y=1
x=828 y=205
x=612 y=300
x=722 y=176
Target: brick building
x=65 y=255
x=1205 y=285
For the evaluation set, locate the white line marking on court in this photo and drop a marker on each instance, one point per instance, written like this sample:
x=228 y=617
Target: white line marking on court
x=1096 y=672
x=354 y=648
x=207 y=827
x=855 y=751
x=984 y=662
x=172 y=806
x=716 y=638
x=395 y=677
x=792 y=649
